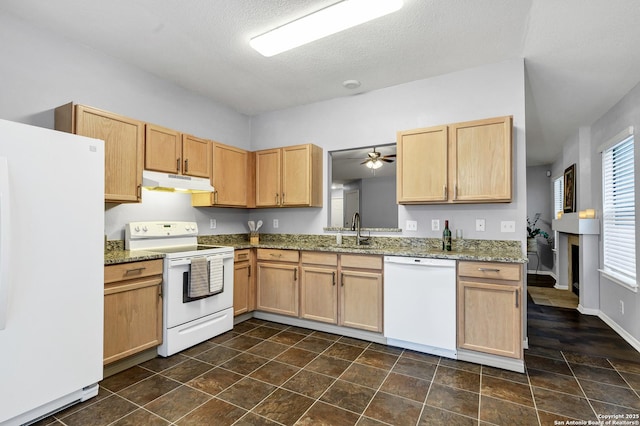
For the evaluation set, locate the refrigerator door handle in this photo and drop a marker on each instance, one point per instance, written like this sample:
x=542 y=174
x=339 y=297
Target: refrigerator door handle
x=4 y=241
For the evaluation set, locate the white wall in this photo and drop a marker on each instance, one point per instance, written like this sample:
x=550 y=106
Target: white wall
x=378 y=201
x=45 y=71
x=539 y=200
x=582 y=149
x=41 y=71
x=375 y=117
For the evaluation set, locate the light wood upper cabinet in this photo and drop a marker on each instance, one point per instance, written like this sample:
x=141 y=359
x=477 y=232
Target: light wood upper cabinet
x=231 y=176
x=490 y=308
x=289 y=177
x=481 y=160
x=196 y=156
x=422 y=170
x=163 y=149
x=170 y=151
x=467 y=162
x=268 y=178
x=123 y=148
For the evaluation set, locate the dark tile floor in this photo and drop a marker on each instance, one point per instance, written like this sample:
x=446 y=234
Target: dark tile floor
x=264 y=373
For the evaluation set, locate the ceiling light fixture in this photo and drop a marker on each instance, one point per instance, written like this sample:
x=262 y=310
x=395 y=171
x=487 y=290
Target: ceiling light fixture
x=351 y=84
x=324 y=22
x=373 y=164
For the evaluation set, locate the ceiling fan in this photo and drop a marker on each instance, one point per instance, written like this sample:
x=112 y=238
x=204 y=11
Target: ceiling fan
x=375 y=160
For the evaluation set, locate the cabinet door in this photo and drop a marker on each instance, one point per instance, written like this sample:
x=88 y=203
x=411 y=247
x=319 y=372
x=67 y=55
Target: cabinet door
x=268 y=173
x=319 y=294
x=163 y=148
x=241 y=285
x=489 y=318
x=123 y=151
x=278 y=288
x=230 y=175
x=361 y=300
x=481 y=160
x=296 y=176
x=196 y=156
x=422 y=165
x=132 y=317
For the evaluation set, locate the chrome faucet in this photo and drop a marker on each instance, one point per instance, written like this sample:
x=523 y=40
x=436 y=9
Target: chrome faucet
x=355 y=226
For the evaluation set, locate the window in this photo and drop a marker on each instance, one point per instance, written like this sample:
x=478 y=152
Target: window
x=558 y=196
x=618 y=210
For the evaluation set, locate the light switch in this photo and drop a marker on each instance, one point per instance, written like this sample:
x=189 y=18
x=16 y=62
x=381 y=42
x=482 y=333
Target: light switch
x=480 y=225
x=435 y=224
x=507 y=226
x=275 y=223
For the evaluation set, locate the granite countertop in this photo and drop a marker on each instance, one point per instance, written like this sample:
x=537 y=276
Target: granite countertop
x=479 y=250
x=115 y=253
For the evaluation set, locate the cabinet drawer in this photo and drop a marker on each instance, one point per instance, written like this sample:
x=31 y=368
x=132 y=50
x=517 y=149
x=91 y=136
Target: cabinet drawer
x=241 y=255
x=132 y=270
x=279 y=255
x=319 y=258
x=361 y=261
x=490 y=270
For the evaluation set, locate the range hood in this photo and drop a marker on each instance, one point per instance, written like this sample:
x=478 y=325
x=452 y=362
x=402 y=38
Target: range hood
x=170 y=182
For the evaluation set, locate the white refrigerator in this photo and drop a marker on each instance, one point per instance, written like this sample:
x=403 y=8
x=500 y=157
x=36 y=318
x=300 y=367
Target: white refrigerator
x=51 y=270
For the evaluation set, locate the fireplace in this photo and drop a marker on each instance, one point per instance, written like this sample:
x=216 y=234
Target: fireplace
x=578 y=259
x=573 y=242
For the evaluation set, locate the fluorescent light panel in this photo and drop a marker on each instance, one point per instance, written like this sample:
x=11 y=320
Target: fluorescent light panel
x=327 y=21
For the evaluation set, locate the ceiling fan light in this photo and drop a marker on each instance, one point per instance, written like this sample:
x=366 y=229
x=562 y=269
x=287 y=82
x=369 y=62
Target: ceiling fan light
x=330 y=20
x=373 y=164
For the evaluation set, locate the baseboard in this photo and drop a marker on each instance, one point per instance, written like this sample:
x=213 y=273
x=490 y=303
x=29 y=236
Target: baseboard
x=534 y=272
x=126 y=363
x=512 y=364
x=561 y=287
x=588 y=311
x=621 y=331
x=327 y=328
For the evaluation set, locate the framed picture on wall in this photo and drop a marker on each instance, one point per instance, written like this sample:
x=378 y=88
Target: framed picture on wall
x=570 y=189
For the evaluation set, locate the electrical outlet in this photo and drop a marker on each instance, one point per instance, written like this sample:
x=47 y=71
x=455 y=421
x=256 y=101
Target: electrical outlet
x=622 y=307
x=435 y=224
x=480 y=225
x=212 y=224
x=508 y=226
x=412 y=225
x=275 y=223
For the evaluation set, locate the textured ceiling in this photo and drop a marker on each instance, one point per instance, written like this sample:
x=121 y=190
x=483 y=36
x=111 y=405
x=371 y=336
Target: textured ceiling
x=581 y=56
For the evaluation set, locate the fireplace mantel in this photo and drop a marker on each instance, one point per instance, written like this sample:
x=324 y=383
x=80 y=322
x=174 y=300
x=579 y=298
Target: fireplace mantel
x=570 y=223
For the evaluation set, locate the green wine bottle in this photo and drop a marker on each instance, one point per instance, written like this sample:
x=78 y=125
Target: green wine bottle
x=446 y=237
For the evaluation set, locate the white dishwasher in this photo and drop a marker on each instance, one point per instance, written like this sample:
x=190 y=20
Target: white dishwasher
x=420 y=304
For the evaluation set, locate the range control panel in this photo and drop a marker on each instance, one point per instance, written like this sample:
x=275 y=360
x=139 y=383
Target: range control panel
x=135 y=230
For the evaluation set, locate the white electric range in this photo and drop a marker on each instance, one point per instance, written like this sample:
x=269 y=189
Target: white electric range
x=187 y=320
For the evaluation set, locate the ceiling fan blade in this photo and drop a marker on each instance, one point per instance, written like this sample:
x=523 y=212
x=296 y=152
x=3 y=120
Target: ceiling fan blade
x=386 y=160
x=366 y=161
x=390 y=155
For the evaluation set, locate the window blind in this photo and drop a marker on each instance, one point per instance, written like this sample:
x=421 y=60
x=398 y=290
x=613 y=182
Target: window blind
x=618 y=216
x=558 y=195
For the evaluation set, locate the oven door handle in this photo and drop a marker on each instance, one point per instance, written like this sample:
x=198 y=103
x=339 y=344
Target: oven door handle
x=187 y=261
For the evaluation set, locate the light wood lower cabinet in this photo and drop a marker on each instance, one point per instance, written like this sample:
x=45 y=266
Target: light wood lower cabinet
x=319 y=289
x=361 y=292
x=244 y=292
x=342 y=289
x=490 y=308
x=277 y=281
x=132 y=308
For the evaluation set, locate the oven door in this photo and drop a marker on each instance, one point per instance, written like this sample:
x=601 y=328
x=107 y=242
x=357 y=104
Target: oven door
x=177 y=309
